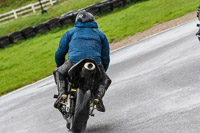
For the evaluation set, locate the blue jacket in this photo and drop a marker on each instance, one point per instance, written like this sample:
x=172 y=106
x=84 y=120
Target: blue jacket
x=85 y=40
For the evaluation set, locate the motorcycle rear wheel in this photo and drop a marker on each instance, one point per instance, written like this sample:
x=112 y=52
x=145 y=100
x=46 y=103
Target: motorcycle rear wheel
x=81 y=114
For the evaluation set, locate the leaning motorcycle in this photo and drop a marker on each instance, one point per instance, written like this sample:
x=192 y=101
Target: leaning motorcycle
x=198 y=25
x=77 y=103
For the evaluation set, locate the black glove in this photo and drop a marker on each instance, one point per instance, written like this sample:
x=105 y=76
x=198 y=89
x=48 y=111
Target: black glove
x=101 y=91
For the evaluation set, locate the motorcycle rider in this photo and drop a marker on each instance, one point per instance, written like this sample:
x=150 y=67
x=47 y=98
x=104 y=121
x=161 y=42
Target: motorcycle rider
x=84 y=40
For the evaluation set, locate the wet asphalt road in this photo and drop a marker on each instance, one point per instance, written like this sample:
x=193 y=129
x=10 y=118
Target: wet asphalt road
x=155 y=89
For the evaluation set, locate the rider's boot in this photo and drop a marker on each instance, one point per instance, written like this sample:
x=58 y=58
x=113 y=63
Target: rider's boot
x=61 y=86
x=101 y=92
x=98 y=99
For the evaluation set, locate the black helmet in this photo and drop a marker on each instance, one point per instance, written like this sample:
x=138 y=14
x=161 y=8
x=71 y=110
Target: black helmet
x=84 y=16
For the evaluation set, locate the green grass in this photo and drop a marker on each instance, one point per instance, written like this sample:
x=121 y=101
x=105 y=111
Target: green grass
x=33 y=59
x=57 y=10
x=8 y=5
x=142 y=16
x=28 y=61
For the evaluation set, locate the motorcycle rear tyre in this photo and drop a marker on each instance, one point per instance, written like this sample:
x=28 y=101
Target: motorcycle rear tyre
x=81 y=112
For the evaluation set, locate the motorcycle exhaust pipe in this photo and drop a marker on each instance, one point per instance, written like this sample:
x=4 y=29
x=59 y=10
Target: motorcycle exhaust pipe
x=89 y=66
x=88 y=70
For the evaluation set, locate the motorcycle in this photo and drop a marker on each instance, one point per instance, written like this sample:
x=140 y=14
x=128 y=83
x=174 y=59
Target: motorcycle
x=78 y=102
x=198 y=25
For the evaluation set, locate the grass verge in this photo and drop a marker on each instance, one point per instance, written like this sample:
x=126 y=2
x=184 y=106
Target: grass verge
x=33 y=59
x=57 y=10
x=9 y=5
